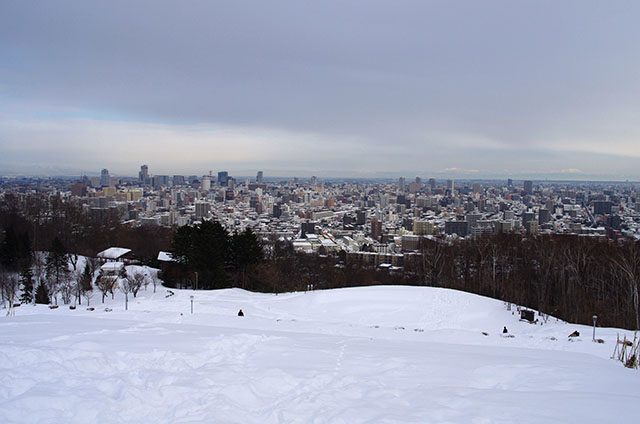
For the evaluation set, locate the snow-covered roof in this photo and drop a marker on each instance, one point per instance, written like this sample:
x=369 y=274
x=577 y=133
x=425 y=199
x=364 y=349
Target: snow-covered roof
x=165 y=257
x=112 y=266
x=113 y=253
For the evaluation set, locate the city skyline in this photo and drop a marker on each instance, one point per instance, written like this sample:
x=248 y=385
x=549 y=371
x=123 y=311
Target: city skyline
x=540 y=90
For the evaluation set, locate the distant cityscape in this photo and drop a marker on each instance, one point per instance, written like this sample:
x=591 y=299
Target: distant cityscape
x=373 y=221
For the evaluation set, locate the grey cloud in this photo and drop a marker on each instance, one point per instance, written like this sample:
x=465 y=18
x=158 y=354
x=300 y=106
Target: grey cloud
x=391 y=74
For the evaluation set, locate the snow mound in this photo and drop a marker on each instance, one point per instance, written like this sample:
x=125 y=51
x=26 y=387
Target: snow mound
x=358 y=355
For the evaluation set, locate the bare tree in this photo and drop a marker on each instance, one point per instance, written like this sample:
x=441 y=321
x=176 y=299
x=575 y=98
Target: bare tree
x=39 y=266
x=10 y=287
x=94 y=265
x=88 y=295
x=67 y=288
x=135 y=281
x=126 y=286
x=153 y=276
x=627 y=268
x=105 y=284
x=139 y=278
x=73 y=260
x=433 y=258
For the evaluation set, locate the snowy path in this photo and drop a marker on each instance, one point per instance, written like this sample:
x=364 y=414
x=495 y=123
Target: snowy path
x=342 y=356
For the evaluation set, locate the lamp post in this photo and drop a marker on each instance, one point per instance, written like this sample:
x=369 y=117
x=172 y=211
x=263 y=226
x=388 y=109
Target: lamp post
x=595 y=319
x=191 y=297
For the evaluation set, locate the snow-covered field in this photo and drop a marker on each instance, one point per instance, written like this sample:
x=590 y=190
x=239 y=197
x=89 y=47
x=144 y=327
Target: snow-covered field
x=361 y=355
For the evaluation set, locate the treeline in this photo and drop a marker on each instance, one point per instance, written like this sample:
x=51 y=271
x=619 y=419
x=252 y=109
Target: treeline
x=28 y=277
x=570 y=277
x=42 y=218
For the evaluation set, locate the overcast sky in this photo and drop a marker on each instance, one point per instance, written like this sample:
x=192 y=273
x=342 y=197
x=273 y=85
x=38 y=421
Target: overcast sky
x=540 y=89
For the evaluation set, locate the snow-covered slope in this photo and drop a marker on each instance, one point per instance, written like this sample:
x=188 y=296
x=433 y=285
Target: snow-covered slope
x=372 y=354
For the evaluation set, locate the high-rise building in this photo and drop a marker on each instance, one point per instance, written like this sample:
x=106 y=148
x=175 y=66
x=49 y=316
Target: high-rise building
x=528 y=217
x=160 y=181
x=401 y=183
x=544 y=216
x=602 y=207
x=178 y=180
x=202 y=209
x=528 y=187
x=423 y=227
x=105 y=179
x=451 y=186
x=206 y=183
x=223 y=178
x=277 y=210
x=376 y=229
x=143 y=175
x=259 y=177
x=79 y=189
x=461 y=228
x=432 y=183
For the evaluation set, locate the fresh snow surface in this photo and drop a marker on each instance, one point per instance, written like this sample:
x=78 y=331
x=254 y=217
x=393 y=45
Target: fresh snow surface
x=359 y=355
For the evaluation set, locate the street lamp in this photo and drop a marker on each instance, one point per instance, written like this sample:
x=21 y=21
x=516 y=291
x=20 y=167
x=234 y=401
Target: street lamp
x=595 y=319
x=191 y=303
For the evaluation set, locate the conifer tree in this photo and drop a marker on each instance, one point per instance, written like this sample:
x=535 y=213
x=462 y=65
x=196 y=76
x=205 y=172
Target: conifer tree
x=26 y=279
x=246 y=251
x=87 y=278
x=57 y=265
x=42 y=294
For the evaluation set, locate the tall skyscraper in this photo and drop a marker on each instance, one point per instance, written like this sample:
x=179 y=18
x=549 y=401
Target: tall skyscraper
x=451 y=186
x=401 y=183
x=376 y=229
x=259 y=177
x=105 y=179
x=528 y=187
x=206 y=183
x=143 y=175
x=223 y=178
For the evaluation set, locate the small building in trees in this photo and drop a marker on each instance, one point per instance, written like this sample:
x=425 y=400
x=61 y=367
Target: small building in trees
x=173 y=273
x=115 y=254
x=112 y=269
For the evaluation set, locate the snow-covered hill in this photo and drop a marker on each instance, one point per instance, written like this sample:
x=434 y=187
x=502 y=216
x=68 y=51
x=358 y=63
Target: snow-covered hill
x=371 y=354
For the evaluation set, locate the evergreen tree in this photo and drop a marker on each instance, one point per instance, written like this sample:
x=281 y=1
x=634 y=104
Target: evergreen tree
x=57 y=265
x=42 y=294
x=26 y=279
x=204 y=248
x=246 y=250
x=87 y=278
